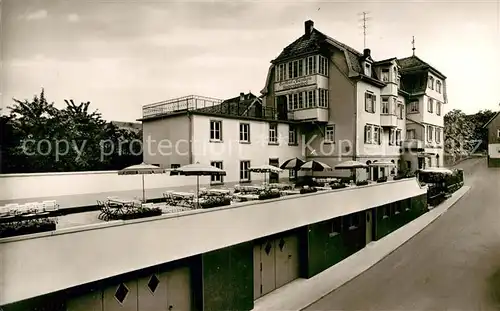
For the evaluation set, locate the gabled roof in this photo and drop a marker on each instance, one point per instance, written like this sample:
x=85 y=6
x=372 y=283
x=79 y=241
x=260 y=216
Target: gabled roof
x=413 y=63
x=385 y=61
x=236 y=106
x=493 y=118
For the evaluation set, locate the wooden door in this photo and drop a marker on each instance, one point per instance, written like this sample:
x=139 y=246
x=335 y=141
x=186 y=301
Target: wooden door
x=179 y=289
x=152 y=292
x=122 y=296
x=268 y=262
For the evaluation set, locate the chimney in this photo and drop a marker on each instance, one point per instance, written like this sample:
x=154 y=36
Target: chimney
x=242 y=97
x=366 y=53
x=308 y=27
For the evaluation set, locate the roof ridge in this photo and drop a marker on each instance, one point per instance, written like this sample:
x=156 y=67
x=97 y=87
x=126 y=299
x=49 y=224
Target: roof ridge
x=343 y=45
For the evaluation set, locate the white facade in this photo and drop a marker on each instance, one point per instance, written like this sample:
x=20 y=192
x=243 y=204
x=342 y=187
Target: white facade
x=238 y=141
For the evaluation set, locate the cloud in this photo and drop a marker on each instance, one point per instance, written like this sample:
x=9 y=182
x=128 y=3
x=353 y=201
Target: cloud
x=73 y=18
x=36 y=15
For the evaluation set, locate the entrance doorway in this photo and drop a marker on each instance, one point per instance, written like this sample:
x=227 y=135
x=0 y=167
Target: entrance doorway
x=274 y=177
x=276 y=263
x=421 y=163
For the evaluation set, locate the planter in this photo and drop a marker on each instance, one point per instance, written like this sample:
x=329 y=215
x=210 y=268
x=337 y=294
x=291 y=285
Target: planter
x=362 y=183
x=141 y=213
x=382 y=179
x=308 y=190
x=264 y=195
x=17 y=229
x=338 y=186
x=215 y=202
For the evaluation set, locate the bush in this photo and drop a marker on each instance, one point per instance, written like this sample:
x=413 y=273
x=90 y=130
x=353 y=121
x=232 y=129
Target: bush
x=335 y=185
x=18 y=228
x=382 y=179
x=269 y=194
x=362 y=183
x=212 y=202
x=308 y=190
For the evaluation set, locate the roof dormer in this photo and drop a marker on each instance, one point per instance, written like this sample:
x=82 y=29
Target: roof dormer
x=367 y=63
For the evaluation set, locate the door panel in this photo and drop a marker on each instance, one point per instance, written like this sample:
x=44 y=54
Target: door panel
x=282 y=263
x=179 y=289
x=121 y=297
x=152 y=293
x=268 y=261
x=257 y=279
x=293 y=258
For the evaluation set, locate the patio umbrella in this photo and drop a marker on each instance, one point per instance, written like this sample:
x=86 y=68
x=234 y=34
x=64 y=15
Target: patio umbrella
x=292 y=164
x=351 y=165
x=315 y=166
x=199 y=170
x=382 y=163
x=141 y=169
x=266 y=169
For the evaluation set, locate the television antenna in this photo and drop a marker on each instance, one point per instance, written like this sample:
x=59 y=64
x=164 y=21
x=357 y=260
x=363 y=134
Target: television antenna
x=364 y=19
x=413 y=45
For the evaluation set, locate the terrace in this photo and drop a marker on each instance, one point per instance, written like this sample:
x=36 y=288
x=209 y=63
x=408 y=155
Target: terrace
x=250 y=107
x=118 y=242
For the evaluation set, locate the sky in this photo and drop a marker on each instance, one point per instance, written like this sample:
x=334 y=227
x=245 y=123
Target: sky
x=121 y=55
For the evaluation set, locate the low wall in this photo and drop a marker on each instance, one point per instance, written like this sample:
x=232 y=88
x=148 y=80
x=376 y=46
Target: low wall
x=70 y=257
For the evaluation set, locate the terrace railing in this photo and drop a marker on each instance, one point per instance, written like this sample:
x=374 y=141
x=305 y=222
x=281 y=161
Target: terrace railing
x=191 y=102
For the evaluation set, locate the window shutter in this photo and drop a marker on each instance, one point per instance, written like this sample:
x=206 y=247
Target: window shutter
x=366 y=101
x=374 y=103
x=379 y=136
x=366 y=134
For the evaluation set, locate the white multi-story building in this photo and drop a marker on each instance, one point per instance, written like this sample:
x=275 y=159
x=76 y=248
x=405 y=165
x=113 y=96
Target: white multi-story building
x=322 y=100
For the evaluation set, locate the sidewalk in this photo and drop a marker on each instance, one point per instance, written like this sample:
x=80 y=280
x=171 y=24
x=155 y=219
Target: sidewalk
x=302 y=292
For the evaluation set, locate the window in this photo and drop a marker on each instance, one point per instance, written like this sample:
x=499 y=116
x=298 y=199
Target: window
x=353 y=221
x=245 y=132
x=323 y=98
x=244 y=172
x=399 y=140
x=430 y=105
x=376 y=135
x=438 y=108
x=370 y=101
x=414 y=107
x=174 y=166
x=292 y=174
x=401 y=110
x=216 y=179
x=216 y=130
x=311 y=99
x=498 y=133
x=368 y=70
x=410 y=134
x=330 y=133
x=438 y=86
x=392 y=138
x=431 y=83
x=280 y=76
x=396 y=75
x=300 y=103
x=310 y=65
x=429 y=133
x=295 y=100
x=323 y=65
x=368 y=134
x=292 y=135
x=273 y=133
x=336 y=227
x=438 y=135
x=385 y=75
x=385 y=105
x=290 y=70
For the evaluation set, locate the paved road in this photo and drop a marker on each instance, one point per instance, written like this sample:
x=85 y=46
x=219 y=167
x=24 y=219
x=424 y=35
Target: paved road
x=445 y=267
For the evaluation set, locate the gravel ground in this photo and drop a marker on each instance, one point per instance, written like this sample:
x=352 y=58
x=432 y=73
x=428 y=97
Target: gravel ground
x=448 y=266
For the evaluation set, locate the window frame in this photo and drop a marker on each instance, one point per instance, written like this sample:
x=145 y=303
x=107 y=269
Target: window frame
x=384 y=105
x=214 y=131
x=244 y=141
x=292 y=132
x=430 y=82
x=329 y=129
x=430 y=105
x=400 y=110
x=368 y=134
x=217 y=179
x=430 y=133
x=383 y=76
x=415 y=107
x=438 y=108
x=273 y=140
x=373 y=99
x=243 y=170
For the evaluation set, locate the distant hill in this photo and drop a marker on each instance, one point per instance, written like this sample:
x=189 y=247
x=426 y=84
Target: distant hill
x=131 y=126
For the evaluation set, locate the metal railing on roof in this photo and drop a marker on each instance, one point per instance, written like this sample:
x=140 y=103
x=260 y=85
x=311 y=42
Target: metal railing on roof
x=191 y=102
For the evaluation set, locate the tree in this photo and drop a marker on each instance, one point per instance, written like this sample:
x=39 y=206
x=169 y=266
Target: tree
x=480 y=134
x=37 y=137
x=458 y=134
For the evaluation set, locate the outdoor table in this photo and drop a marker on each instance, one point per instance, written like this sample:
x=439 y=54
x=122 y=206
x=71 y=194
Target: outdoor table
x=124 y=201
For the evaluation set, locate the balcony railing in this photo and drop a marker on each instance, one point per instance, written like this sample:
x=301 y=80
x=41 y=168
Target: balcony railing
x=413 y=144
x=212 y=106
